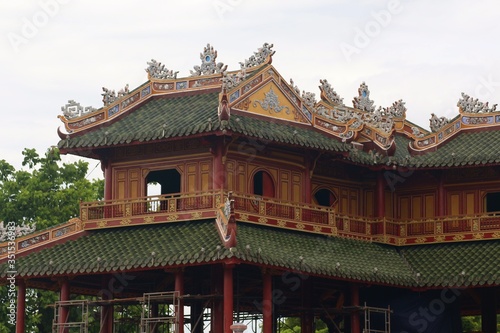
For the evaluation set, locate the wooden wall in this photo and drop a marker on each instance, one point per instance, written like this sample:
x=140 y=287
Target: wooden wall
x=415 y=196
x=130 y=178
x=287 y=179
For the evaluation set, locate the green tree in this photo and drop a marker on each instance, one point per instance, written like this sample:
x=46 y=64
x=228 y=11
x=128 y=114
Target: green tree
x=292 y=325
x=46 y=194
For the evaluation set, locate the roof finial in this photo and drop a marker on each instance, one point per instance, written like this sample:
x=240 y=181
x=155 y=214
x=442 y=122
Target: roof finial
x=208 y=64
x=263 y=55
x=327 y=93
x=156 y=70
x=363 y=101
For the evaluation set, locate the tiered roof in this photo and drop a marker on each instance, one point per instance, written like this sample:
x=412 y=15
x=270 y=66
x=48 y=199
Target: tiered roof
x=256 y=101
x=198 y=242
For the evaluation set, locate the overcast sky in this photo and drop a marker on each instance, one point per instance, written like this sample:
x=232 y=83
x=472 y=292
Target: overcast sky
x=424 y=52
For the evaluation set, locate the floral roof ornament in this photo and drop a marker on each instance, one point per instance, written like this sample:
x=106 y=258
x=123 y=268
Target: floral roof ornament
x=437 y=123
x=309 y=98
x=11 y=230
x=109 y=96
x=379 y=119
x=209 y=65
x=468 y=104
x=329 y=94
x=74 y=110
x=157 y=70
x=260 y=57
x=396 y=110
x=417 y=132
x=363 y=101
x=230 y=81
x=271 y=103
x=294 y=86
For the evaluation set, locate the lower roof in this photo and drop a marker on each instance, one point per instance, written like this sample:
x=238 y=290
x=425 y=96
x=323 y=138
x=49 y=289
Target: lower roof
x=197 y=242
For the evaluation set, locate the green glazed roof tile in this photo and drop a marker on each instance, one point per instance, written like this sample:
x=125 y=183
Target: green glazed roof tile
x=435 y=265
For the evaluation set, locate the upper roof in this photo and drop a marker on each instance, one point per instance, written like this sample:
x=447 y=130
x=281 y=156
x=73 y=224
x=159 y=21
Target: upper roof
x=198 y=242
x=257 y=102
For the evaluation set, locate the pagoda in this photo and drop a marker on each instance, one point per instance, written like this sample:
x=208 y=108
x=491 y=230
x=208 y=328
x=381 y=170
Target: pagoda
x=231 y=196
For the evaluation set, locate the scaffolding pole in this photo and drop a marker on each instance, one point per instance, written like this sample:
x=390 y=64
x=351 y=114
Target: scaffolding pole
x=80 y=325
x=150 y=321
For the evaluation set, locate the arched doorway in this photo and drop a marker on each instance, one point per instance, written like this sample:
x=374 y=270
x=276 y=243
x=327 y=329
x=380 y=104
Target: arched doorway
x=161 y=182
x=325 y=197
x=263 y=184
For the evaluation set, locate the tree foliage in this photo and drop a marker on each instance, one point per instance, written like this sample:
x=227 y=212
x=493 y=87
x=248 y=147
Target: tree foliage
x=47 y=193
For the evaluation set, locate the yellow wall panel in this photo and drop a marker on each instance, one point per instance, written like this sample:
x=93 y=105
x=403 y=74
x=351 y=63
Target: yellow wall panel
x=296 y=186
x=404 y=208
x=343 y=205
x=429 y=206
x=134 y=183
x=470 y=200
x=369 y=204
x=389 y=205
x=191 y=183
x=416 y=207
x=121 y=190
x=285 y=185
x=205 y=181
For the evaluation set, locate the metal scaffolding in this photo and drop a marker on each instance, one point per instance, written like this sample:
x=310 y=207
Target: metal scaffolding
x=379 y=313
x=80 y=323
x=151 y=319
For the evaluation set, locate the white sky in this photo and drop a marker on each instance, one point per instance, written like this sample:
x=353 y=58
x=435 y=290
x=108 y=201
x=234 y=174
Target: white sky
x=424 y=52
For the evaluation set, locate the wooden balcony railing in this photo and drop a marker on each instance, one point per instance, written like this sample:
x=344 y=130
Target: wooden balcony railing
x=166 y=208
x=265 y=211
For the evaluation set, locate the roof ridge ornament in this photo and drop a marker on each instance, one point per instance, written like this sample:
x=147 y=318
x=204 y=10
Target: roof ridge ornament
x=157 y=70
x=467 y=104
x=11 y=230
x=363 y=101
x=437 y=123
x=396 y=110
x=309 y=98
x=208 y=63
x=74 y=110
x=328 y=94
x=229 y=81
x=109 y=96
x=263 y=55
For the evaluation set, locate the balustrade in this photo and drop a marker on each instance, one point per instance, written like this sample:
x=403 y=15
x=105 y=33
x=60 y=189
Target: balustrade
x=257 y=209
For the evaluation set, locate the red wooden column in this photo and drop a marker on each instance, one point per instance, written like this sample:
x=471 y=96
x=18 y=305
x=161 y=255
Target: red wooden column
x=108 y=179
x=63 y=311
x=355 y=316
x=219 y=172
x=218 y=303
x=267 y=302
x=179 y=287
x=380 y=195
x=228 y=297
x=21 y=305
x=107 y=311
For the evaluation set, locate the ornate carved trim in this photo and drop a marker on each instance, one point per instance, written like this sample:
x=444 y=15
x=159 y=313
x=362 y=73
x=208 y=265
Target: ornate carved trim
x=209 y=65
x=363 y=101
x=271 y=103
x=263 y=55
x=328 y=94
x=157 y=70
